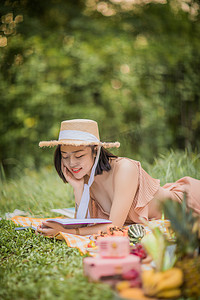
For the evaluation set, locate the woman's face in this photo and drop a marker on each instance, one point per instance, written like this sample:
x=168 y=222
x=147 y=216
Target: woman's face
x=77 y=159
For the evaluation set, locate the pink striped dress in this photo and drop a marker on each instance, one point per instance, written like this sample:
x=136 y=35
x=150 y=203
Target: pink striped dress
x=148 y=189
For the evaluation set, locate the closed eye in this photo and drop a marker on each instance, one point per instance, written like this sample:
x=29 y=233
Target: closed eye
x=80 y=156
x=64 y=157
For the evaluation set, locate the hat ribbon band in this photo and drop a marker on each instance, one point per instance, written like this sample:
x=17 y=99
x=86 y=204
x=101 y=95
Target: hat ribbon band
x=85 y=199
x=77 y=135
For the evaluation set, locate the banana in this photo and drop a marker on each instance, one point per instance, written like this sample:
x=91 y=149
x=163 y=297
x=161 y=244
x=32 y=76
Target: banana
x=170 y=272
x=172 y=279
x=147 y=276
x=169 y=293
x=155 y=283
x=150 y=280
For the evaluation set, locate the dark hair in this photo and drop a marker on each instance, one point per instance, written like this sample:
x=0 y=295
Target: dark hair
x=103 y=163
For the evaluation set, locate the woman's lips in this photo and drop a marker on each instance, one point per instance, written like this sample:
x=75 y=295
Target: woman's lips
x=75 y=170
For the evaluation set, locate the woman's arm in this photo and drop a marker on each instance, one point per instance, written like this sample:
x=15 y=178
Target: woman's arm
x=125 y=187
x=50 y=229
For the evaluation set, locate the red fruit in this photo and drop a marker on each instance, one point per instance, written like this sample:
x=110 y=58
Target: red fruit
x=142 y=254
x=139 y=251
x=130 y=275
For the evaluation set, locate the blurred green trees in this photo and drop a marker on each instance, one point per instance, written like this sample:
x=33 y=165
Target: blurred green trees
x=131 y=66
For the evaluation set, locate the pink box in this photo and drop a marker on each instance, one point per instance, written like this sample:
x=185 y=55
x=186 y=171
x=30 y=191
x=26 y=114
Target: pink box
x=98 y=268
x=113 y=247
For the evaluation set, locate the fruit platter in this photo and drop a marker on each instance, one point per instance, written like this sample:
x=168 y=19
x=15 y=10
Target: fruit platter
x=149 y=260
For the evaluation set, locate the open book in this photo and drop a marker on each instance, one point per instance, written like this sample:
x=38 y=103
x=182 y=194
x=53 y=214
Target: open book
x=75 y=223
x=68 y=212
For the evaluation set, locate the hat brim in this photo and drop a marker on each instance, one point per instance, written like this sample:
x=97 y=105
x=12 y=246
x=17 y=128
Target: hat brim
x=54 y=143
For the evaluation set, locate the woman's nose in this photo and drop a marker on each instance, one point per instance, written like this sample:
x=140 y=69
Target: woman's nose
x=72 y=161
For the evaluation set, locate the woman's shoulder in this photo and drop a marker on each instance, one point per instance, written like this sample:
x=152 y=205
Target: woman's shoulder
x=125 y=161
x=125 y=166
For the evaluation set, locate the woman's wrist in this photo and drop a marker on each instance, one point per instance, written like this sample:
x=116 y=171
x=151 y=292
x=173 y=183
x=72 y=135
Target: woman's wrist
x=77 y=231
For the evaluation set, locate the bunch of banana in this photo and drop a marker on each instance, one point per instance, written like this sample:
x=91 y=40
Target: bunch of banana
x=164 y=284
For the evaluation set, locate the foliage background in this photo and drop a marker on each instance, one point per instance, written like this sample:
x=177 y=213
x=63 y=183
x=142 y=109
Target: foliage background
x=133 y=66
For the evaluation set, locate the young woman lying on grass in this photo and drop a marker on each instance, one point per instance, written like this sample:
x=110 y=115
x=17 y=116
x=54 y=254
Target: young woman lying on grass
x=107 y=186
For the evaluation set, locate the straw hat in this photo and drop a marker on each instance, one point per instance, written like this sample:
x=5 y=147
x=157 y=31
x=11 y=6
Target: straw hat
x=78 y=132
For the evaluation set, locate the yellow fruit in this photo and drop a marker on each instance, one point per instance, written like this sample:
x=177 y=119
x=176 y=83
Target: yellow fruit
x=157 y=282
x=172 y=279
x=150 y=277
x=134 y=294
x=122 y=285
x=150 y=280
x=171 y=272
x=146 y=274
x=169 y=293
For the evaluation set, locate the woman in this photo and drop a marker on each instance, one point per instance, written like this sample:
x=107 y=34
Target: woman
x=107 y=186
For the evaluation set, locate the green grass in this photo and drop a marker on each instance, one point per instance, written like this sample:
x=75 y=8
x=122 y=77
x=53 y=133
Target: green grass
x=34 y=267
x=173 y=166
x=35 y=192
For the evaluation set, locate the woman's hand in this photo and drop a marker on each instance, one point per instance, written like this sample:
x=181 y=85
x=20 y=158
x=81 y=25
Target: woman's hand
x=50 y=229
x=75 y=183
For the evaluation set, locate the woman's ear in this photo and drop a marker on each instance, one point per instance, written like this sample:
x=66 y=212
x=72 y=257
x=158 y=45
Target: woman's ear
x=94 y=151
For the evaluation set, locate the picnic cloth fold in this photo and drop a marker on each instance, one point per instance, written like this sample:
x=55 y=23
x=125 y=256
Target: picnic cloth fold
x=77 y=241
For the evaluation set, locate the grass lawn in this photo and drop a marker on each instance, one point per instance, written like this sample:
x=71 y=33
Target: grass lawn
x=34 y=267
